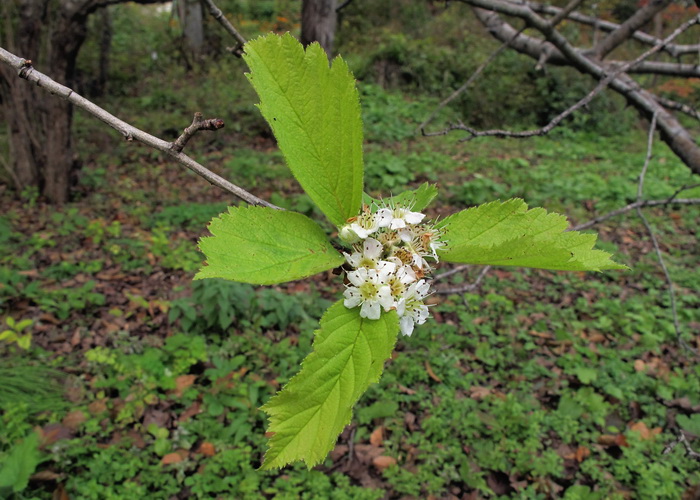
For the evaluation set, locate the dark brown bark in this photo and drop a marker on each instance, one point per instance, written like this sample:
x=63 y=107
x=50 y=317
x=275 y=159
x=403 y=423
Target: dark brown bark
x=50 y=33
x=318 y=23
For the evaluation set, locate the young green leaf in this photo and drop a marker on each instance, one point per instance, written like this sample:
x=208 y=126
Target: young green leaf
x=264 y=246
x=417 y=199
x=508 y=234
x=310 y=412
x=19 y=465
x=314 y=112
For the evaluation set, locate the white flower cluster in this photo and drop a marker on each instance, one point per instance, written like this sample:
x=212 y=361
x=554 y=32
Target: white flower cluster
x=390 y=247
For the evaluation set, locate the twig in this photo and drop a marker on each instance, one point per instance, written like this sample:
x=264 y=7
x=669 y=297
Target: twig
x=672 y=49
x=602 y=84
x=469 y=81
x=219 y=16
x=678 y=106
x=633 y=206
x=564 y=13
x=26 y=71
x=343 y=5
x=198 y=123
x=657 y=249
x=455 y=270
x=466 y=288
x=680 y=190
x=683 y=440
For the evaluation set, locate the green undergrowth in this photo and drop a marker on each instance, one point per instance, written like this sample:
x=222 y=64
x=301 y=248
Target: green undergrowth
x=540 y=384
x=536 y=385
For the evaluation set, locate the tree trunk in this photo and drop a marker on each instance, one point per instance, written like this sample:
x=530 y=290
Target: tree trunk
x=40 y=124
x=318 y=23
x=190 y=13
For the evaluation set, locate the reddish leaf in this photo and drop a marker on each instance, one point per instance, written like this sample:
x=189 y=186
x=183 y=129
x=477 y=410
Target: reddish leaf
x=383 y=462
x=207 y=449
x=377 y=436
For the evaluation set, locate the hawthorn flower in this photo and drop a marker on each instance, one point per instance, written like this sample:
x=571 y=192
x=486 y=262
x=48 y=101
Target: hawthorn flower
x=398 y=281
x=370 y=289
x=398 y=217
x=411 y=309
x=388 y=263
x=363 y=225
x=369 y=256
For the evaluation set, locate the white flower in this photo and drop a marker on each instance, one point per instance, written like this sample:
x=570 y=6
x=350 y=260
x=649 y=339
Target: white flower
x=398 y=217
x=411 y=309
x=436 y=245
x=365 y=224
x=368 y=257
x=398 y=281
x=371 y=289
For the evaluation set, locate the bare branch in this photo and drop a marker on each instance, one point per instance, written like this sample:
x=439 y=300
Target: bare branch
x=469 y=81
x=26 y=71
x=343 y=5
x=451 y=272
x=675 y=50
x=681 y=142
x=655 y=242
x=219 y=16
x=663 y=68
x=198 y=123
x=635 y=206
x=678 y=106
x=466 y=288
x=564 y=13
x=684 y=441
x=632 y=24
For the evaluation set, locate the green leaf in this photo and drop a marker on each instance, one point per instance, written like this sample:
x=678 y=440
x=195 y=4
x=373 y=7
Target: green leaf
x=20 y=464
x=310 y=412
x=508 y=234
x=417 y=199
x=265 y=246
x=314 y=112
x=690 y=424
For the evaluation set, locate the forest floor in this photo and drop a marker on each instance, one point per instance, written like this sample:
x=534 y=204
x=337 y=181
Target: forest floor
x=533 y=385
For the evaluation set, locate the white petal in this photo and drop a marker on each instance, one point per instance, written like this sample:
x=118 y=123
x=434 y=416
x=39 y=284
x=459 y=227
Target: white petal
x=401 y=307
x=352 y=297
x=360 y=231
x=406 y=324
x=370 y=309
x=354 y=259
x=398 y=223
x=406 y=275
x=384 y=297
x=383 y=217
x=413 y=217
x=422 y=288
x=385 y=269
x=405 y=234
x=373 y=249
x=358 y=277
x=421 y=314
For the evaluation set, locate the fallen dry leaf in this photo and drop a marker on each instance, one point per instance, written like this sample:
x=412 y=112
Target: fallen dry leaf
x=73 y=420
x=644 y=432
x=377 y=436
x=582 y=453
x=383 y=462
x=207 y=449
x=183 y=382
x=174 y=458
